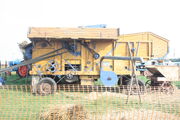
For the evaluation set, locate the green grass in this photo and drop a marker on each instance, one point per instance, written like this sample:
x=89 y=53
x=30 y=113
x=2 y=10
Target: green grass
x=177 y=84
x=106 y=103
x=14 y=79
x=143 y=78
x=19 y=102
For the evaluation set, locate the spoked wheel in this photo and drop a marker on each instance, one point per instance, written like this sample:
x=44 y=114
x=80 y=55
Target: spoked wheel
x=148 y=85
x=52 y=66
x=136 y=88
x=46 y=86
x=23 y=71
x=71 y=77
x=167 y=88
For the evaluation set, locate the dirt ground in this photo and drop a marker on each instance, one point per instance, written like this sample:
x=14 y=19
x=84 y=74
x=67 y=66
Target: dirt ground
x=140 y=114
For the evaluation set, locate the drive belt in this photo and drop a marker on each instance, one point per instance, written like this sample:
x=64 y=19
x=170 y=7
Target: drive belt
x=37 y=59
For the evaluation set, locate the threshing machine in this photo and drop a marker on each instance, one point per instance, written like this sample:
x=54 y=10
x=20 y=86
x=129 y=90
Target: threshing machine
x=73 y=55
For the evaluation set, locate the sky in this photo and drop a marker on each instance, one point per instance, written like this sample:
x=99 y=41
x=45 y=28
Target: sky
x=161 y=17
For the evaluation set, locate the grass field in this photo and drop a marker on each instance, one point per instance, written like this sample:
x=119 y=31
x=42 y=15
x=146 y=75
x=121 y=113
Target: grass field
x=17 y=102
x=14 y=79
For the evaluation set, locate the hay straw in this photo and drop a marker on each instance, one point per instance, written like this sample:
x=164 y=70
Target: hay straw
x=64 y=112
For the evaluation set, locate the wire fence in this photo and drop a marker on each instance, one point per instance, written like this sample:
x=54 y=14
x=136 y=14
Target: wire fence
x=75 y=102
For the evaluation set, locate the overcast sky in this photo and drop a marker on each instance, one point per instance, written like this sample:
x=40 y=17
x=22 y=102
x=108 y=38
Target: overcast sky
x=161 y=17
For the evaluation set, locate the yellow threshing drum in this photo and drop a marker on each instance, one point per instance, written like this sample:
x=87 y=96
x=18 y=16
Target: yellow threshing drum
x=99 y=40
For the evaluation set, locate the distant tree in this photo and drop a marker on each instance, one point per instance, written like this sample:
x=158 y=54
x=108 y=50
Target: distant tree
x=175 y=60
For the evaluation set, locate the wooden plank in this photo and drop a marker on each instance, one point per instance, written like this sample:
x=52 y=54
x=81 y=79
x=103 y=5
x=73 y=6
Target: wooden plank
x=159 y=44
x=74 y=33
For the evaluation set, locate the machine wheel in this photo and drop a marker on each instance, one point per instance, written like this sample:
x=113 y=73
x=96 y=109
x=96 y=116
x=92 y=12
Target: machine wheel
x=46 y=86
x=23 y=71
x=148 y=83
x=71 y=78
x=167 y=88
x=148 y=86
x=52 y=66
x=96 y=55
x=134 y=89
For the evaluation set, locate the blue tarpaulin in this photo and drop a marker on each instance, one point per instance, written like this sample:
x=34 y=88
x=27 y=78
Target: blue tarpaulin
x=96 y=26
x=1 y=81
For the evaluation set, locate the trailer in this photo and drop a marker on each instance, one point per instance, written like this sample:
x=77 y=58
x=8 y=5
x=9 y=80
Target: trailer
x=163 y=76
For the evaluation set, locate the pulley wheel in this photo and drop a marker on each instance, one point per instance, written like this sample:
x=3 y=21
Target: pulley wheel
x=108 y=78
x=96 y=55
x=23 y=71
x=52 y=66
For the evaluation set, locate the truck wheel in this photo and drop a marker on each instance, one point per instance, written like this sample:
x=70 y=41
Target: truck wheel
x=134 y=88
x=46 y=86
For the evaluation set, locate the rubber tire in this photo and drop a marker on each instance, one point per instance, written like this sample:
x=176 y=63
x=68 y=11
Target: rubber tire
x=49 y=81
x=141 y=85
